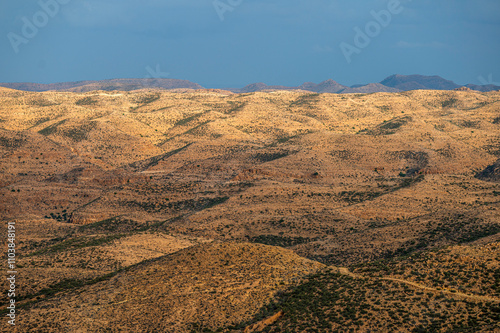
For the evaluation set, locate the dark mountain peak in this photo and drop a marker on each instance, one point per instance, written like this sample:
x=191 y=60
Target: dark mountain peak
x=329 y=83
x=368 y=89
x=329 y=86
x=307 y=86
x=254 y=87
x=416 y=82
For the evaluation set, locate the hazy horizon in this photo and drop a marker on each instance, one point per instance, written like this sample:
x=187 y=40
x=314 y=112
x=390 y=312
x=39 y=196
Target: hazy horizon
x=221 y=87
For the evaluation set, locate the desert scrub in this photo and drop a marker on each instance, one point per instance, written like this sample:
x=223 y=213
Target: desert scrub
x=282 y=241
x=11 y=142
x=187 y=120
x=190 y=204
x=268 y=157
x=52 y=128
x=86 y=101
x=449 y=102
x=77 y=243
x=388 y=127
x=80 y=133
x=114 y=224
x=146 y=99
x=305 y=100
x=332 y=302
x=235 y=106
x=42 y=102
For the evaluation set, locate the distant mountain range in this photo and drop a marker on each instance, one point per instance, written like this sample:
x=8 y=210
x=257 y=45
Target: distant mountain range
x=419 y=82
x=328 y=86
x=393 y=83
x=115 y=84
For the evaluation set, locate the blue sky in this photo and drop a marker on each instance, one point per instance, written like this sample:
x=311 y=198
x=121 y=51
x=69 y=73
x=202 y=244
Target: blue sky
x=274 y=41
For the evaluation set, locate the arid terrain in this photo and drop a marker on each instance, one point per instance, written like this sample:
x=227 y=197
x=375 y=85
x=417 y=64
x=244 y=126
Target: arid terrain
x=278 y=211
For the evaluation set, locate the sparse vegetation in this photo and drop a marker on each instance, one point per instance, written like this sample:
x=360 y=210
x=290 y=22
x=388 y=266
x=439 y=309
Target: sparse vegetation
x=11 y=142
x=148 y=98
x=86 y=101
x=114 y=224
x=52 y=128
x=236 y=106
x=388 y=127
x=449 y=102
x=329 y=301
x=268 y=157
x=305 y=100
x=190 y=204
x=279 y=240
x=42 y=102
x=78 y=134
x=78 y=242
x=171 y=189
x=187 y=120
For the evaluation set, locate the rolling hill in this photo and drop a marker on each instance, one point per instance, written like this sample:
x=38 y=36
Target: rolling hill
x=205 y=210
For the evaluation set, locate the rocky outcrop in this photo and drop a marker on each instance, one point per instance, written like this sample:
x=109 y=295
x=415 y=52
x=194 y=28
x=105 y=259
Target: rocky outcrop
x=463 y=89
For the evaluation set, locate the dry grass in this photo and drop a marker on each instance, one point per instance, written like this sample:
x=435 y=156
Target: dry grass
x=100 y=182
